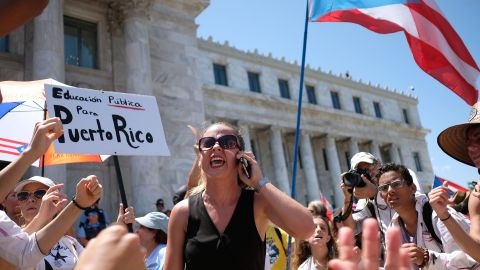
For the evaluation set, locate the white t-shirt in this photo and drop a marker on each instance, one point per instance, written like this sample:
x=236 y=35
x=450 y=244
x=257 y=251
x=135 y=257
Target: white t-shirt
x=63 y=256
x=16 y=246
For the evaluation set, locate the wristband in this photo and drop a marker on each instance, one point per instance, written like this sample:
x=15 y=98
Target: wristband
x=78 y=205
x=261 y=183
x=445 y=219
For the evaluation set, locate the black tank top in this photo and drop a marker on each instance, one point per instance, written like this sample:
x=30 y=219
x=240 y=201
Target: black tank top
x=239 y=247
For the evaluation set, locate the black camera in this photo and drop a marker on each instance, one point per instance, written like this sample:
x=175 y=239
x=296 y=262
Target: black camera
x=353 y=178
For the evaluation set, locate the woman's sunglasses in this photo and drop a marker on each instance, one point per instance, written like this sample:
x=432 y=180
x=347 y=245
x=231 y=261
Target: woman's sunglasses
x=24 y=195
x=226 y=142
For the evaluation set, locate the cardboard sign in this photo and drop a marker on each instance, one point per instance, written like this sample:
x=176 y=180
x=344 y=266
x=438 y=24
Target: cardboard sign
x=101 y=122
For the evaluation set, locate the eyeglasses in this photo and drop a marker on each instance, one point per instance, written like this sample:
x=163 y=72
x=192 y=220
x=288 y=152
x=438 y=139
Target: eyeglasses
x=24 y=195
x=226 y=142
x=395 y=184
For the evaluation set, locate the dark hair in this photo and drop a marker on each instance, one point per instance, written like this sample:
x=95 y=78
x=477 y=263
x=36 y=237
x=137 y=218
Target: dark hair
x=400 y=169
x=317 y=208
x=160 y=236
x=303 y=250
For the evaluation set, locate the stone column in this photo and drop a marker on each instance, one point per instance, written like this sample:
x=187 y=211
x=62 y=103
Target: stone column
x=376 y=151
x=394 y=154
x=245 y=131
x=48 y=44
x=335 y=171
x=279 y=164
x=310 y=172
x=48 y=62
x=144 y=174
x=353 y=147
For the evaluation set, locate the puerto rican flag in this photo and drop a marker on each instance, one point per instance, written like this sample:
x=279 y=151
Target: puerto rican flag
x=435 y=45
x=11 y=147
x=438 y=181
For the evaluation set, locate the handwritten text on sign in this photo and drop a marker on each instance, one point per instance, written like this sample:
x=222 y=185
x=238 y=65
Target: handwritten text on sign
x=100 y=122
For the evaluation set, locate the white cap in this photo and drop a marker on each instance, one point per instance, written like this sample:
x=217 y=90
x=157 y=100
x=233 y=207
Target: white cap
x=34 y=179
x=154 y=220
x=362 y=157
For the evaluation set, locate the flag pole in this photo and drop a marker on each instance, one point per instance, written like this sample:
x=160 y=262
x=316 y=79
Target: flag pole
x=42 y=160
x=297 y=129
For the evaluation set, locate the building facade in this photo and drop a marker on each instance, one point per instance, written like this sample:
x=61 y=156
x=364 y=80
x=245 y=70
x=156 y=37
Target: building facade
x=151 y=47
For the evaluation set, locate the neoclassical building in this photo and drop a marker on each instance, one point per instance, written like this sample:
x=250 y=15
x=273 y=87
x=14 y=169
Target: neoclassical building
x=151 y=47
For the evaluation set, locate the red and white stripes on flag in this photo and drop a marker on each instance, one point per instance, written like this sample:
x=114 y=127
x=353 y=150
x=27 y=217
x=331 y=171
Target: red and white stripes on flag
x=11 y=147
x=435 y=45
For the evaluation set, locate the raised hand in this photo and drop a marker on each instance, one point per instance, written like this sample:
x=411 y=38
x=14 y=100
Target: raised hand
x=256 y=172
x=89 y=190
x=368 y=191
x=52 y=203
x=126 y=216
x=397 y=259
x=439 y=200
x=113 y=249
x=44 y=134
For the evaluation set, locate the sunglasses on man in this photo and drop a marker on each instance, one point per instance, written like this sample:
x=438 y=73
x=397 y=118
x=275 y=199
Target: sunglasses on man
x=225 y=142
x=24 y=195
x=395 y=184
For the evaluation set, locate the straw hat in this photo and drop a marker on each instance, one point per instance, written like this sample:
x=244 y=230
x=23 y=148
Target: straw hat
x=453 y=140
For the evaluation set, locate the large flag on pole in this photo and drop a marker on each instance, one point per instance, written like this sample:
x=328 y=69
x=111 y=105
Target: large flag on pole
x=435 y=45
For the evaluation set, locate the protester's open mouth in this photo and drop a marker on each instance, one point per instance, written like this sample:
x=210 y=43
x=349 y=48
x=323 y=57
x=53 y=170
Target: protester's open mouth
x=216 y=161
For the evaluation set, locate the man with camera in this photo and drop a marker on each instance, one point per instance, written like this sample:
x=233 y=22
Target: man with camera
x=360 y=185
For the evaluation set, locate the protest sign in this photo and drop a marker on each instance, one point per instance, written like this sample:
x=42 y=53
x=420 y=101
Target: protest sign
x=101 y=122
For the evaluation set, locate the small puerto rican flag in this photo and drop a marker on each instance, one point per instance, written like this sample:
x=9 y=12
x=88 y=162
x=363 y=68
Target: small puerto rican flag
x=11 y=147
x=438 y=181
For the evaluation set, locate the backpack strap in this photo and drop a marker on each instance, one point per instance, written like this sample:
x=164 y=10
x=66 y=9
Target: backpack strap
x=427 y=219
x=371 y=208
x=279 y=235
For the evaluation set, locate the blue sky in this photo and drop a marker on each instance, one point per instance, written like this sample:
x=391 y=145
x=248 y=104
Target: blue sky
x=277 y=27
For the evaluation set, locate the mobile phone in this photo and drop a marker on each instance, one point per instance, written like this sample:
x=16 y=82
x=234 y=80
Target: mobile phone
x=246 y=167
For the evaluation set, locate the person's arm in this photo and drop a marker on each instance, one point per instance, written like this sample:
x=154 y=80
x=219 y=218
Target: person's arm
x=177 y=229
x=45 y=133
x=474 y=211
x=113 y=249
x=347 y=200
x=82 y=236
x=88 y=191
x=52 y=203
x=195 y=171
x=276 y=206
x=439 y=199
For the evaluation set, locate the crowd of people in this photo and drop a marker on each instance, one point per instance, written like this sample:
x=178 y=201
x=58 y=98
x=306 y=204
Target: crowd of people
x=229 y=216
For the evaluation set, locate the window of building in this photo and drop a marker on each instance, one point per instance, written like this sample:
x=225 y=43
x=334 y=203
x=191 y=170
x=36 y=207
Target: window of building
x=220 y=74
x=81 y=44
x=312 y=98
x=418 y=163
x=284 y=90
x=405 y=116
x=4 y=44
x=358 y=105
x=254 y=82
x=325 y=158
x=335 y=100
x=378 y=111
